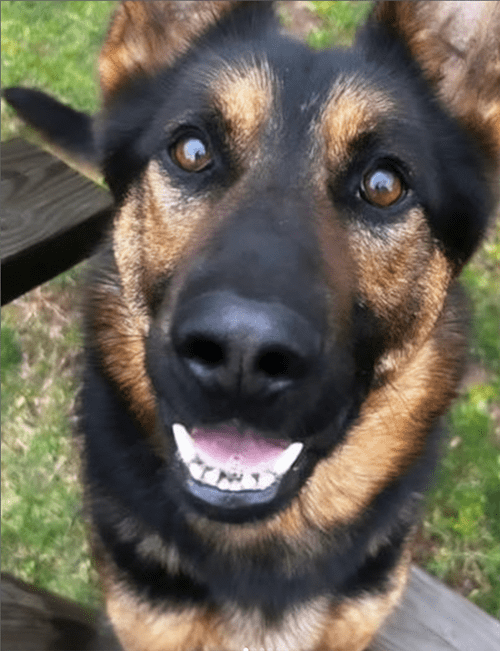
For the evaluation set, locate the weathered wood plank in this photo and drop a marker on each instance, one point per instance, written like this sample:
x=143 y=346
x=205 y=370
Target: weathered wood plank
x=434 y=618
x=36 y=620
x=52 y=217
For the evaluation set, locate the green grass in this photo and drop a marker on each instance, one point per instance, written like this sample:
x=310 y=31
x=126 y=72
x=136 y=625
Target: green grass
x=463 y=515
x=10 y=352
x=460 y=539
x=43 y=532
x=340 y=20
x=53 y=46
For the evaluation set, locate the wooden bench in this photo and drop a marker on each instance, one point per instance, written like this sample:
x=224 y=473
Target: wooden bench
x=52 y=218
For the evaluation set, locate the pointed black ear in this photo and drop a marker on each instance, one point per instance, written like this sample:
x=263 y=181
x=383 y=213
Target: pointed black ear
x=59 y=124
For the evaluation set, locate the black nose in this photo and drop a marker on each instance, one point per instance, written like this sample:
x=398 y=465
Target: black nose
x=244 y=346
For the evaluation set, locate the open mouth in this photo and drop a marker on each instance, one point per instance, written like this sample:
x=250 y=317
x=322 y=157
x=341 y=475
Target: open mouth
x=233 y=461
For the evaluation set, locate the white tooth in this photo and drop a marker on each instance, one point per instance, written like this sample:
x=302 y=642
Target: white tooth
x=196 y=470
x=185 y=443
x=224 y=484
x=211 y=477
x=287 y=458
x=266 y=479
x=248 y=482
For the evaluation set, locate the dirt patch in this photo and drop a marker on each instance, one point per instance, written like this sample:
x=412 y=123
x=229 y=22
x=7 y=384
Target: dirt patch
x=298 y=18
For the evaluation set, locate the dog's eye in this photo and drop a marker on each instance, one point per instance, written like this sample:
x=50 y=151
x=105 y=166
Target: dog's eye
x=191 y=154
x=382 y=187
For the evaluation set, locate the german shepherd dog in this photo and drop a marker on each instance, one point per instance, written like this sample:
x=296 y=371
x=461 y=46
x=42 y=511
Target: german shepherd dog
x=274 y=327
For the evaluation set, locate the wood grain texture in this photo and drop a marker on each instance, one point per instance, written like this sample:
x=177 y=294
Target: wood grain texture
x=52 y=217
x=434 y=618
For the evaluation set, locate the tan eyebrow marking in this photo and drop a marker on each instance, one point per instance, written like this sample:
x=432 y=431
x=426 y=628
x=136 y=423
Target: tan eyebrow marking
x=353 y=108
x=244 y=97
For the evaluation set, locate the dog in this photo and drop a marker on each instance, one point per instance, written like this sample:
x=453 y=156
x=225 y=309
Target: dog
x=274 y=327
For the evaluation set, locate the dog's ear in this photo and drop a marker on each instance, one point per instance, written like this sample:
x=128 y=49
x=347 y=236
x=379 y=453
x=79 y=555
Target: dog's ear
x=67 y=130
x=146 y=36
x=457 y=46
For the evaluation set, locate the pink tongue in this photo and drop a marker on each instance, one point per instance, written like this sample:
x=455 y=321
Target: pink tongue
x=226 y=445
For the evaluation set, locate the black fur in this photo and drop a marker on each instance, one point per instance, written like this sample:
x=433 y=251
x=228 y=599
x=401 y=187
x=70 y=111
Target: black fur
x=265 y=259
x=425 y=145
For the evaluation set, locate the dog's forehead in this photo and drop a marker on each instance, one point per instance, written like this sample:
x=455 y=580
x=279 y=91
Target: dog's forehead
x=315 y=98
x=245 y=96
x=353 y=109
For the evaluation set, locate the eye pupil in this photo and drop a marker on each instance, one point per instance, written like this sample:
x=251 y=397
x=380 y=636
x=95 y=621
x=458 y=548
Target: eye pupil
x=382 y=187
x=191 y=154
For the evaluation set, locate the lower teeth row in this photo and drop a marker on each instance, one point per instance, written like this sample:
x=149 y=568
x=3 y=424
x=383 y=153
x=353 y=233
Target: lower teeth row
x=230 y=482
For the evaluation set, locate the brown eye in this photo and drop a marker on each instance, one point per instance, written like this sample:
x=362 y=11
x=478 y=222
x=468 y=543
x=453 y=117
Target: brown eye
x=382 y=187
x=191 y=154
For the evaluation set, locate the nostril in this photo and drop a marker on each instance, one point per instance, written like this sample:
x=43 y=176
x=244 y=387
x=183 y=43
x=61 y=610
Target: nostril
x=203 y=351
x=243 y=346
x=282 y=364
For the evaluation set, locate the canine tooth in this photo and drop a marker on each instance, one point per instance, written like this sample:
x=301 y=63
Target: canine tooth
x=196 y=470
x=185 y=443
x=287 y=458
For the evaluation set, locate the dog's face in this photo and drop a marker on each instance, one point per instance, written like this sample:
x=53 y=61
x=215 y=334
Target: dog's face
x=290 y=225
x=274 y=328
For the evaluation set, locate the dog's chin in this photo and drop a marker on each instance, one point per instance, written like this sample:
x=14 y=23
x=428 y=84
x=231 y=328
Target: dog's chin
x=232 y=474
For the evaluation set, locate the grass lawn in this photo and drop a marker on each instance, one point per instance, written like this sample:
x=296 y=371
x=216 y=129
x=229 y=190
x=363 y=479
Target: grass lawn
x=53 y=46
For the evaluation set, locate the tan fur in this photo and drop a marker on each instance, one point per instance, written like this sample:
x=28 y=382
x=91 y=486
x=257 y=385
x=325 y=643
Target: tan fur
x=120 y=340
x=393 y=423
x=458 y=46
x=318 y=626
x=147 y=36
x=352 y=110
x=150 y=234
x=355 y=621
x=244 y=98
x=402 y=276
x=139 y=627
x=169 y=221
